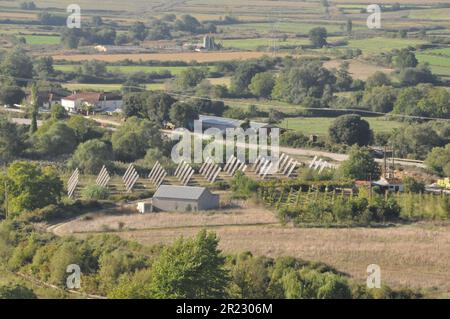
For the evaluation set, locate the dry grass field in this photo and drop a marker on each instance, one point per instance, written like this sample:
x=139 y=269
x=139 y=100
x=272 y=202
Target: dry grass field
x=181 y=56
x=358 y=69
x=415 y=255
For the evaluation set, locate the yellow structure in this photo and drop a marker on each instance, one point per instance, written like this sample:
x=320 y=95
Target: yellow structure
x=444 y=183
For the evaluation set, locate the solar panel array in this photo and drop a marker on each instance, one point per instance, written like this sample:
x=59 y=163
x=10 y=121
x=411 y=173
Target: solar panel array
x=287 y=165
x=319 y=164
x=73 y=182
x=234 y=165
x=157 y=174
x=103 y=177
x=263 y=166
x=130 y=178
x=184 y=173
x=210 y=170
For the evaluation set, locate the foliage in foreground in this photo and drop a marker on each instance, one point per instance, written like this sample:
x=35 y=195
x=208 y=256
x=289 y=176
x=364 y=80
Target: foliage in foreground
x=189 y=268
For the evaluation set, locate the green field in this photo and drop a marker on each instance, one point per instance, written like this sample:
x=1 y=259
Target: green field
x=431 y=14
x=439 y=60
x=320 y=125
x=107 y=87
x=253 y=44
x=378 y=44
x=289 y=27
x=128 y=69
x=41 y=39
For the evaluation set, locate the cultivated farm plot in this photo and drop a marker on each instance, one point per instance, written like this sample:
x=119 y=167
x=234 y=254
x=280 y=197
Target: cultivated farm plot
x=128 y=69
x=100 y=87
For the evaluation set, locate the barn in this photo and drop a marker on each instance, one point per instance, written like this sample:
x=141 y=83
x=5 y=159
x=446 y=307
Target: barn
x=184 y=199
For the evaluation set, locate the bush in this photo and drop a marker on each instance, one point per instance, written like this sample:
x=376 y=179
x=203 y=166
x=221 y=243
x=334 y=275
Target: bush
x=96 y=192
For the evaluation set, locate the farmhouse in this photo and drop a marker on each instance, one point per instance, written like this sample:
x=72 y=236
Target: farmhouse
x=390 y=184
x=46 y=99
x=96 y=102
x=184 y=199
x=223 y=123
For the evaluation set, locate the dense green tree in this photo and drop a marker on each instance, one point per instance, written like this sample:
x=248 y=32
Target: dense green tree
x=17 y=65
x=344 y=79
x=58 y=112
x=58 y=139
x=297 y=83
x=190 y=268
x=318 y=37
x=350 y=130
x=413 y=186
x=406 y=59
x=438 y=160
x=243 y=76
x=83 y=128
x=415 y=141
x=30 y=186
x=183 y=114
x=138 y=31
x=11 y=94
x=380 y=99
x=360 y=165
x=423 y=100
x=262 y=84
x=44 y=67
x=378 y=79
x=90 y=156
x=133 y=286
x=414 y=76
x=190 y=78
x=14 y=291
x=132 y=140
x=11 y=140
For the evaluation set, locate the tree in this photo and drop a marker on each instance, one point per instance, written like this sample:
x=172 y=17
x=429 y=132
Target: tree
x=138 y=31
x=262 y=84
x=350 y=130
x=190 y=268
x=438 y=160
x=318 y=37
x=380 y=99
x=58 y=139
x=297 y=83
x=378 y=79
x=414 y=76
x=34 y=108
x=90 y=156
x=14 y=291
x=17 y=65
x=183 y=114
x=190 y=78
x=11 y=94
x=413 y=186
x=58 y=112
x=415 y=141
x=132 y=140
x=83 y=128
x=30 y=187
x=243 y=76
x=11 y=140
x=96 y=21
x=405 y=59
x=343 y=78
x=360 y=165
x=349 y=26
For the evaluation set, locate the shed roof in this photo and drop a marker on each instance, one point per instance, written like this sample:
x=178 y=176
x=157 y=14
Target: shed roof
x=179 y=192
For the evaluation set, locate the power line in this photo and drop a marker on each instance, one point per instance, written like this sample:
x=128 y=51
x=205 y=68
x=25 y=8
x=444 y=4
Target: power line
x=229 y=101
